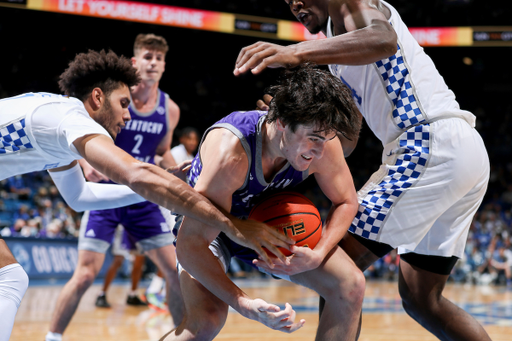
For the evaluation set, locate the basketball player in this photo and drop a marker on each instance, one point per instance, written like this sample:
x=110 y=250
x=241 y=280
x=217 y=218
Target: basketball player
x=248 y=154
x=154 y=117
x=46 y=131
x=435 y=167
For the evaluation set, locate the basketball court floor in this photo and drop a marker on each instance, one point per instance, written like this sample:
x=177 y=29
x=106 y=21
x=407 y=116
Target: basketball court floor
x=383 y=316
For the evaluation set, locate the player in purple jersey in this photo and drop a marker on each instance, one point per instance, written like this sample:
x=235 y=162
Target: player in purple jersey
x=154 y=117
x=250 y=153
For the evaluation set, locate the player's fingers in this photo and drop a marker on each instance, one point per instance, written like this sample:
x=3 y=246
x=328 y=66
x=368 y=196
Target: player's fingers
x=265 y=257
x=293 y=327
x=276 y=252
x=267 y=98
x=261 y=105
x=246 y=53
x=255 y=58
x=281 y=239
x=269 y=308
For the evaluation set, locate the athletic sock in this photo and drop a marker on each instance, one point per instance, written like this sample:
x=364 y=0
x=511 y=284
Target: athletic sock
x=156 y=285
x=53 y=337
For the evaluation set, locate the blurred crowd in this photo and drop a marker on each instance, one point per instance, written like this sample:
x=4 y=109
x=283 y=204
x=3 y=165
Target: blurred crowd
x=31 y=206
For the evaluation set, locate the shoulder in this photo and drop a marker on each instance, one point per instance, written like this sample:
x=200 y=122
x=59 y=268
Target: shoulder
x=173 y=110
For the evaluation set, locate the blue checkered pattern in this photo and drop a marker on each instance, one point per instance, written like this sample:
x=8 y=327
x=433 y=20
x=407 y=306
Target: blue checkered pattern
x=13 y=138
x=411 y=161
x=395 y=74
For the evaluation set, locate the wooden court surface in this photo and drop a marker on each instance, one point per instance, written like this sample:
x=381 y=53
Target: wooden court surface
x=383 y=318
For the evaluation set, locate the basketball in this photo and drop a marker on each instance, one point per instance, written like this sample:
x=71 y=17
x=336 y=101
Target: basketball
x=293 y=214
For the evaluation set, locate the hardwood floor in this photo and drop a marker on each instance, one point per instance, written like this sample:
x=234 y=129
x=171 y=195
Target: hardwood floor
x=383 y=317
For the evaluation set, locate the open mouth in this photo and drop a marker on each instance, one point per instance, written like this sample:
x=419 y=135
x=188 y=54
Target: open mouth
x=302 y=17
x=306 y=157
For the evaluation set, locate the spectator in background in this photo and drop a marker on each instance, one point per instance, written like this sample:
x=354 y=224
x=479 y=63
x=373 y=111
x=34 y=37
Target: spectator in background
x=189 y=139
x=17 y=186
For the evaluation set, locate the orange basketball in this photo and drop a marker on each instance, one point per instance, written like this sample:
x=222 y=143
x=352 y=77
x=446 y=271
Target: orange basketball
x=293 y=214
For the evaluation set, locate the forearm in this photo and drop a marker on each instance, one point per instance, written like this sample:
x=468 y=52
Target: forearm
x=360 y=47
x=199 y=261
x=166 y=190
x=81 y=195
x=336 y=225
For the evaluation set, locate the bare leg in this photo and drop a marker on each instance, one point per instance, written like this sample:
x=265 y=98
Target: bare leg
x=205 y=313
x=138 y=264
x=165 y=260
x=421 y=293
x=89 y=264
x=342 y=284
x=112 y=271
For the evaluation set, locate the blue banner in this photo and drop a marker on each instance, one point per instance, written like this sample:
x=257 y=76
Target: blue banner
x=48 y=258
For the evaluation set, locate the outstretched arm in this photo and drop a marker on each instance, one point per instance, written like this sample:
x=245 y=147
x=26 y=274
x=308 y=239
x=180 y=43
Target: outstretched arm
x=363 y=36
x=164 y=189
x=82 y=195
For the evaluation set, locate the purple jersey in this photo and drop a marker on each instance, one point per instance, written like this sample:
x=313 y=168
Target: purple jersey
x=144 y=132
x=247 y=127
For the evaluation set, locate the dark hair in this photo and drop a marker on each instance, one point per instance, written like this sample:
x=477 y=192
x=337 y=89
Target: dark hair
x=307 y=95
x=150 y=41
x=105 y=70
x=187 y=131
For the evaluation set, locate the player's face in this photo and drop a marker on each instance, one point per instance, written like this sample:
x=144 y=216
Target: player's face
x=150 y=64
x=313 y=14
x=114 y=113
x=190 y=142
x=304 y=145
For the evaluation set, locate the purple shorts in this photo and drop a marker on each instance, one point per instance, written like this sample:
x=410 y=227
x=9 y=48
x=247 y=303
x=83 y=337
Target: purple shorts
x=146 y=223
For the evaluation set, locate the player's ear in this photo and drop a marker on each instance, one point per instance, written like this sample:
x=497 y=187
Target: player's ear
x=134 y=62
x=97 y=98
x=281 y=126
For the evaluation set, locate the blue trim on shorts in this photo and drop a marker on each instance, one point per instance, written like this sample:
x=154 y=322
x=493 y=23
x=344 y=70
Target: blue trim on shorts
x=413 y=154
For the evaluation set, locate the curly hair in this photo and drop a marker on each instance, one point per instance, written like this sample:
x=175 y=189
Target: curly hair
x=150 y=41
x=306 y=95
x=105 y=70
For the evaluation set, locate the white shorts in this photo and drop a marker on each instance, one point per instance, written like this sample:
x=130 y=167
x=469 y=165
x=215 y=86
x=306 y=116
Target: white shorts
x=425 y=194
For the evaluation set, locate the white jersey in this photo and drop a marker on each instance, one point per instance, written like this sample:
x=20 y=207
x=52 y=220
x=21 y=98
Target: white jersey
x=37 y=131
x=401 y=91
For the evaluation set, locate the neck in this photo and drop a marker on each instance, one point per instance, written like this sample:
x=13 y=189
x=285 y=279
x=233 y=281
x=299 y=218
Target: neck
x=272 y=158
x=144 y=95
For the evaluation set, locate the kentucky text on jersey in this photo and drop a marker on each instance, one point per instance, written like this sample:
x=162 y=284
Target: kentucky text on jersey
x=144 y=126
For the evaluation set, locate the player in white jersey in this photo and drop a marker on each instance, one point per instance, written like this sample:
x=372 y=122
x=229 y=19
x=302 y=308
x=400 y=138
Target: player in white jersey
x=46 y=131
x=435 y=167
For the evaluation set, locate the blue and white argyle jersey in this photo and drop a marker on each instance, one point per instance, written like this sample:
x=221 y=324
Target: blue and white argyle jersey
x=413 y=155
x=13 y=138
x=395 y=74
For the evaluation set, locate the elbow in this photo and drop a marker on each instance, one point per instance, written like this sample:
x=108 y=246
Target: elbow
x=76 y=206
x=386 y=37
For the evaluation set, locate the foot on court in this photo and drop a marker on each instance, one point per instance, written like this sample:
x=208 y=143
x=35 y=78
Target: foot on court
x=101 y=301
x=157 y=302
x=134 y=300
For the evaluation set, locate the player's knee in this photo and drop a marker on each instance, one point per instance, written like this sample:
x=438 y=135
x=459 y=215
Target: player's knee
x=354 y=288
x=83 y=278
x=13 y=283
x=417 y=304
x=206 y=327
